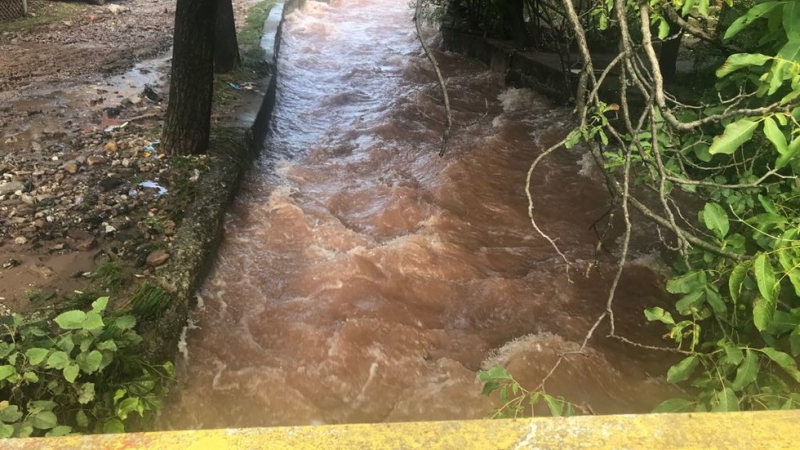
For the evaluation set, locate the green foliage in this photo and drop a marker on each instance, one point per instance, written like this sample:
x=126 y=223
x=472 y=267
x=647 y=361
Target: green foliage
x=736 y=316
x=518 y=401
x=82 y=375
x=150 y=301
x=110 y=276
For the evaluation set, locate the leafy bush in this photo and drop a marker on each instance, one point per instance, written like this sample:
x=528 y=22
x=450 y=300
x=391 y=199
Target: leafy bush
x=82 y=374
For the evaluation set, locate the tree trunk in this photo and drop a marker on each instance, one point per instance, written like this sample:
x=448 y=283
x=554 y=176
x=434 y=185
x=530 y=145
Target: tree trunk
x=514 y=15
x=188 y=122
x=226 y=48
x=668 y=58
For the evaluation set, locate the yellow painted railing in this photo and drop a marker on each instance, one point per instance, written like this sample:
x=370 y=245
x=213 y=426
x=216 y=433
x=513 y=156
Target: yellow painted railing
x=761 y=430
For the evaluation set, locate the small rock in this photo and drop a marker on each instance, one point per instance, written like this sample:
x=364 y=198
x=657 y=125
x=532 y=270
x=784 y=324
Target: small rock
x=58 y=177
x=109 y=183
x=20 y=240
x=157 y=258
x=41 y=270
x=71 y=167
x=10 y=188
x=111 y=146
x=95 y=160
x=169 y=227
x=86 y=244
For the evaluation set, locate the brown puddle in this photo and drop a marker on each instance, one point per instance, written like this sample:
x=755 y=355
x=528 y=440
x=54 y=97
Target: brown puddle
x=365 y=279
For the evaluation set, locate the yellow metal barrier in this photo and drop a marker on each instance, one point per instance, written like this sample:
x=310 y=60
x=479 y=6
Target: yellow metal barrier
x=760 y=430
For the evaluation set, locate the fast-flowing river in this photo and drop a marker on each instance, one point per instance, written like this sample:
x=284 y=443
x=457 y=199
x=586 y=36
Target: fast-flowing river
x=362 y=278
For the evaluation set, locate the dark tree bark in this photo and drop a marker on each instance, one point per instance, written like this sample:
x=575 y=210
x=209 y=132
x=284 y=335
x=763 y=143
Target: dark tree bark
x=668 y=58
x=188 y=122
x=514 y=15
x=226 y=48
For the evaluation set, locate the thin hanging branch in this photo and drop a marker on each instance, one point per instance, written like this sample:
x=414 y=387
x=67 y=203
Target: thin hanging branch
x=449 y=123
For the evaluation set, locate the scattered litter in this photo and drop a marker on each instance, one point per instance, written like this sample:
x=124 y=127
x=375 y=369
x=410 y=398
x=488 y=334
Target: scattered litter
x=133 y=193
x=115 y=127
x=235 y=86
x=153 y=185
x=150 y=149
x=10 y=263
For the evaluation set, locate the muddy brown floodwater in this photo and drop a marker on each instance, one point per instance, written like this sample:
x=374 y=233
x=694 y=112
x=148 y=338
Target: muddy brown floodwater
x=363 y=278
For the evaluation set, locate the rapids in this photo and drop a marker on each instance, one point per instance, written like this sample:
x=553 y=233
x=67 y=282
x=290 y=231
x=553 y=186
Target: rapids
x=362 y=278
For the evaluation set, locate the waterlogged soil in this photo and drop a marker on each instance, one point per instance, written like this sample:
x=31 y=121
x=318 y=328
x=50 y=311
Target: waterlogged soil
x=83 y=91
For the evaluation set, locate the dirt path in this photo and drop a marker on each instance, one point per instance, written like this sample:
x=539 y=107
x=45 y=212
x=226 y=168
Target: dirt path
x=81 y=100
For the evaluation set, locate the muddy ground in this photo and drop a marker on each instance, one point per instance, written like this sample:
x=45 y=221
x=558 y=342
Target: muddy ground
x=87 y=202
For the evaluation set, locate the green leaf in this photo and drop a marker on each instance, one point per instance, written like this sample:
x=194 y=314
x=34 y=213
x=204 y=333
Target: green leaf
x=763 y=312
x=90 y=362
x=683 y=370
x=765 y=277
x=100 y=304
x=689 y=301
x=754 y=13
x=656 y=313
x=6 y=431
x=687 y=7
x=107 y=345
x=128 y=405
x=86 y=393
x=495 y=373
x=7 y=371
x=702 y=8
x=732 y=353
x=674 y=405
x=716 y=219
x=791 y=151
x=736 y=279
x=725 y=400
x=10 y=414
x=715 y=301
x=66 y=343
x=791 y=20
x=6 y=349
x=30 y=377
x=685 y=284
x=58 y=360
x=36 y=355
x=735 y=134
x=794 y=341
x=92 y=322
x=555 y=405
x=71 y=372
x=81 y=419
x=71 y=320
x=775 y=135
x=44 y=420
x=125 y=322
x=786 y=362
x=113 y=426
x=663 y=28
x=61 y=430
x=741 y=60
x=747 y=371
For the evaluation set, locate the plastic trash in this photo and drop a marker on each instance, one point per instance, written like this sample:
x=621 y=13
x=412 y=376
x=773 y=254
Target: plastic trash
x=235 y=86
x=153 y=185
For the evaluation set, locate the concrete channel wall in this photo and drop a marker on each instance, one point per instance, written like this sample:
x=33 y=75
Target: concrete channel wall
x=197 y=239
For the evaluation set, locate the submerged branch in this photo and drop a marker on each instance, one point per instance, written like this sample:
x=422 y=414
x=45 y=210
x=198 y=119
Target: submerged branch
x=449 y=122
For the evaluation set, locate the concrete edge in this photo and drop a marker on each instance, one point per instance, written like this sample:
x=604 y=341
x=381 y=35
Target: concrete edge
x=201 y=230
x=520 y=70
x=771 y=430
